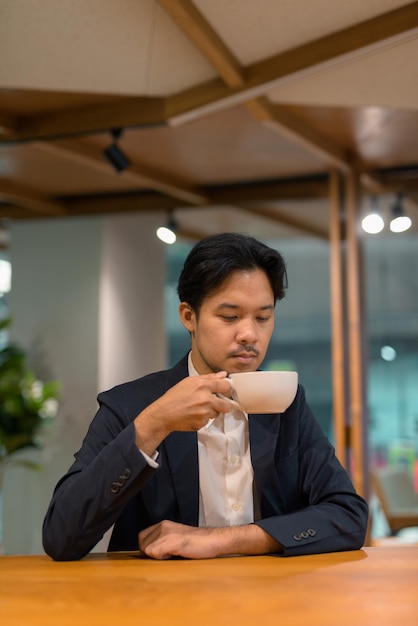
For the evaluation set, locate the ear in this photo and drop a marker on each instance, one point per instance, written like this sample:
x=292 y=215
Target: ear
x=187 y=316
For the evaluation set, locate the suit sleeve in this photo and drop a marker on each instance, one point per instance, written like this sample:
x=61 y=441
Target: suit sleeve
x=108 y=471
x=320 y=511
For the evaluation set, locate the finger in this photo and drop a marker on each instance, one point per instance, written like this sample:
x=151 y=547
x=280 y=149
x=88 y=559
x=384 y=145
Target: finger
x=148 y=535
x=160 y=550
x=215 y=375
x=222 y=404
x=222 y=386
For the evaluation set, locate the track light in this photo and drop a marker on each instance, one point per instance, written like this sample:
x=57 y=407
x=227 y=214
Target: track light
x=400 y=222
x=114 y=154
x=373 y=222
x=167 y=233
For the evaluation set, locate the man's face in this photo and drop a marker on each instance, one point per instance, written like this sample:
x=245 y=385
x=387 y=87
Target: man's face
x=234 y=325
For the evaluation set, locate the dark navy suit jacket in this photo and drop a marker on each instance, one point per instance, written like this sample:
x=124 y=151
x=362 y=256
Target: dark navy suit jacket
x=305 y=498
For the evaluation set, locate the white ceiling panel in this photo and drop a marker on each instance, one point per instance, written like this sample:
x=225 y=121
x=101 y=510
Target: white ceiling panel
x=103 y=46
x=257 y=29
x=386 y=78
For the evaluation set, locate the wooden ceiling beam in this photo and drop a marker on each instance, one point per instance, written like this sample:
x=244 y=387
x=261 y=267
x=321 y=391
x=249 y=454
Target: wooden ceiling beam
x=8 y=123
x=202 y=35
x=137 y=174
x=29 y=200
x=374 y=34
x=152 y=201
x=295 y=189
x=127 y=112
x=393 y=182
x=233 y=195
x=253 y=81
x=372 y=184
x=280 y=120
x=189 y=19
x=283 y=217
x=121 y=203
x=9 y=211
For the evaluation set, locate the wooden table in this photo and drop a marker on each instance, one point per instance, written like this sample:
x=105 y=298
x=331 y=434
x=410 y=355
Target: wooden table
x=374 y=586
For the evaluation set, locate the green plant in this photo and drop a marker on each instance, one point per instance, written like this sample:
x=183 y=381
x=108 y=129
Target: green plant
x=27 y=404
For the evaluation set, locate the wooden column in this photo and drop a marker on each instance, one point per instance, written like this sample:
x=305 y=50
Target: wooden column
x=356 y=339
x=339 y=359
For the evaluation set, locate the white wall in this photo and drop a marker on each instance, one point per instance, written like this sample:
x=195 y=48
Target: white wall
x=87 y=304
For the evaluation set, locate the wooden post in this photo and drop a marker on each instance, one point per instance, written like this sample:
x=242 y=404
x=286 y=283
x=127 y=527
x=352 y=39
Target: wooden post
x=356 y=339
x=339 y=359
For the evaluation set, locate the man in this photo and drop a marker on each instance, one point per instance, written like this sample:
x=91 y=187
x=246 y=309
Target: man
x=178 y=470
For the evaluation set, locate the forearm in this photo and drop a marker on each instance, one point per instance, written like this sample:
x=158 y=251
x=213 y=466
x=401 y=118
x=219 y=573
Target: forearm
x=91 y=497
x=149 y=429
x=331 y=526
x=246 y=540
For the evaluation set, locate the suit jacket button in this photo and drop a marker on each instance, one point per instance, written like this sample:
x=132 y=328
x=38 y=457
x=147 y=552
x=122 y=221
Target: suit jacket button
x=126 y=474
x=304 y=534
x=115 y=488
x=311 y=532
x=297 y=537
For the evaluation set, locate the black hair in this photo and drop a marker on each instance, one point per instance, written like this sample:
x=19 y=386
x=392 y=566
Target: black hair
x=214 y=258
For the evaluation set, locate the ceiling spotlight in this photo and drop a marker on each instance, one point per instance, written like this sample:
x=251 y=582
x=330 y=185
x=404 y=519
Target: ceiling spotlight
x=167 y=233
x=114 y=154
x=400 y=222
x=373 y=222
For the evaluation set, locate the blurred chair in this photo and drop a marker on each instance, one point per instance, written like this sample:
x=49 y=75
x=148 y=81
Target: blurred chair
x=394 y=488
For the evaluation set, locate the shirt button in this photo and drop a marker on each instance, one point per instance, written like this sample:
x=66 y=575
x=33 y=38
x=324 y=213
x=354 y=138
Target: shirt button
x=233 y=459
x=236 y=506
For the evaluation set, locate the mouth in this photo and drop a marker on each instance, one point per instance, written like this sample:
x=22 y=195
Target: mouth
x=244 y=357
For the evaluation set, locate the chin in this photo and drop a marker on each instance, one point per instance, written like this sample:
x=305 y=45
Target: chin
x=243 y=367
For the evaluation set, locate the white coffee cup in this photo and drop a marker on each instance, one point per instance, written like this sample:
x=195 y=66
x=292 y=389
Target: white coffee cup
x=264 y=392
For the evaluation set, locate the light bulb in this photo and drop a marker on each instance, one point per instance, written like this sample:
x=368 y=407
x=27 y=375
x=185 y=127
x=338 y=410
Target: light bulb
x=400 y=224
x=388 y=353
x=372 y=223
x=166 y=235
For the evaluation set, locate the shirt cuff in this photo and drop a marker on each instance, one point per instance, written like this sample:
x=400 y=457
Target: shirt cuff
x=151 y=460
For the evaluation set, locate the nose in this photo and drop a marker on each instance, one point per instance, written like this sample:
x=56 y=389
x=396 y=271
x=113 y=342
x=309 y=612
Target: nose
x=246 y=332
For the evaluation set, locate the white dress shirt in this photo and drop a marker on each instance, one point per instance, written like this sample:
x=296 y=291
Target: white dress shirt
x=225 y=470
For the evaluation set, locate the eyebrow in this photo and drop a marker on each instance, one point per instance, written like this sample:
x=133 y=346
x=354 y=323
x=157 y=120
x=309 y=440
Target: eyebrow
x=227 y=305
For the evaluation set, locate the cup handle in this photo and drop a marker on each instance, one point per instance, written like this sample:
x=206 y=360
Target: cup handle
x=233 y=399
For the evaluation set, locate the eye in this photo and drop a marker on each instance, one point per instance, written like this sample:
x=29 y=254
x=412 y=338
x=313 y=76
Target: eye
x=229 y=318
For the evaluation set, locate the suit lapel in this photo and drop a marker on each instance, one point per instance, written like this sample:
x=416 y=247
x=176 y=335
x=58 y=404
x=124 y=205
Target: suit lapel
x=264 y=431
x=182 y=457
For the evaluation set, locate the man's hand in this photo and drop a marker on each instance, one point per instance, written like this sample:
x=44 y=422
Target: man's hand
x=167 y=539
x=187 y=406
